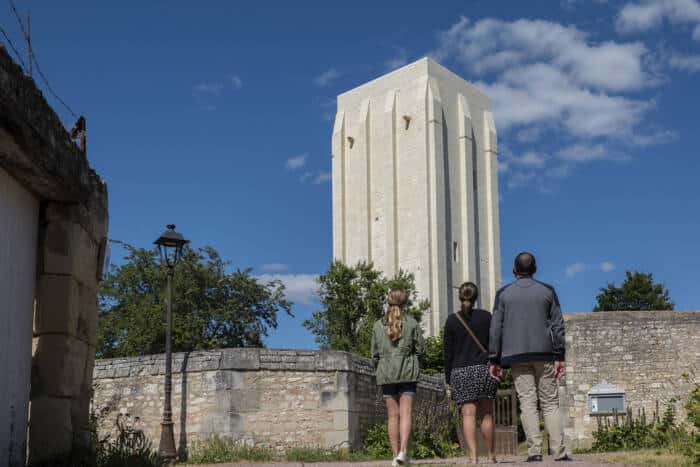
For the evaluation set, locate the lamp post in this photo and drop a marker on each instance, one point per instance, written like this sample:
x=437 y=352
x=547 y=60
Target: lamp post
x=170 y=244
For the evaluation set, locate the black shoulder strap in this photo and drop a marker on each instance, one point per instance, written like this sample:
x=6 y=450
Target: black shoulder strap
x=469 y=331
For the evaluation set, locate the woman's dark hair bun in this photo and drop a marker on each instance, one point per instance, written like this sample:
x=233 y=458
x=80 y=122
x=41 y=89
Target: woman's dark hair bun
x=468 y=293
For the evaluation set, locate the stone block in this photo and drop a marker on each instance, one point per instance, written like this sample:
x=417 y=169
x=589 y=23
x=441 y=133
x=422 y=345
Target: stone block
x=58 y=366
x=240 y=359
x=93 y=223
x=334 y=361
x=80 y=412
x=227 y=380
x=57 y=305
x=50 y=428
x=89 y=370
x=87 y=316
x=336 y=439
x=202 y=361
x=241 y=401
x=341 y=420
x=69 y=250
x=335 y=400
x=298 y=360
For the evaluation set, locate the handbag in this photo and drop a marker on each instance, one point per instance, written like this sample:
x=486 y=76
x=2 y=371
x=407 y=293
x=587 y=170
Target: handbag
x=469 y=331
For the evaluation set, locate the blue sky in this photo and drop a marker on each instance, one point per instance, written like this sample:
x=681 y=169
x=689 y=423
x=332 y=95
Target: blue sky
x=218 y=118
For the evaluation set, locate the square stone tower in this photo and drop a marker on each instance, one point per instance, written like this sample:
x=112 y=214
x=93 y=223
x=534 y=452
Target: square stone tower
x=415 y=183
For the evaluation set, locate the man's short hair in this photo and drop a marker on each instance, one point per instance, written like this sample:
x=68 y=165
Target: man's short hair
x=525 y=264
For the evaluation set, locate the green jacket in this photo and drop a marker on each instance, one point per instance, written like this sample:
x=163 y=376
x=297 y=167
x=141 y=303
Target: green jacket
x=397 y=362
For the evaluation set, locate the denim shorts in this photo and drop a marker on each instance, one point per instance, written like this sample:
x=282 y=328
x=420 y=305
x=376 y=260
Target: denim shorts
x=399 y=389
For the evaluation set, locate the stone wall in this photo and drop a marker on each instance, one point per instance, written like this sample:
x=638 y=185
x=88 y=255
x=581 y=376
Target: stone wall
x=276 y=398
x=652 y=355
x=38 y=153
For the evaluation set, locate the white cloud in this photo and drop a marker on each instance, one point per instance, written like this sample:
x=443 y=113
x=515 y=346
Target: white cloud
x=546 y=78
x=569 y=4
x=518 y=179
x=296 y=162
x=492 y=45
x=236 y=82
x=576 y=268
x=573 y=269
x=690 y=63
x=528 y=135
x=585 y=153
x=648 y=14
x=206 y=93
x=274 y=267
x=322 y=177
x=211 y=88
x=539 y=93
x=529 y=159
x=327 y=77
x=299 y=288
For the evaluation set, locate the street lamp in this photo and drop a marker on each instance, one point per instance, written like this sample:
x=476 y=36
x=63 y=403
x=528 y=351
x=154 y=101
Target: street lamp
x=170 y=244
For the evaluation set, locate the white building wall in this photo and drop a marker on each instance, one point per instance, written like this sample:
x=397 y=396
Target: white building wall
x=19 y=218
x=415 y=183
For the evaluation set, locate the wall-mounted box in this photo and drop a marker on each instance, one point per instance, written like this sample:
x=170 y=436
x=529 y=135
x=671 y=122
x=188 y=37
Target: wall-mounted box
x=606 y=399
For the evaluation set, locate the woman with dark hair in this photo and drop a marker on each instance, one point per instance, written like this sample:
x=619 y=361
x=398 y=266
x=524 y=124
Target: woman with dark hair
x=466 y=368
x=397 y=343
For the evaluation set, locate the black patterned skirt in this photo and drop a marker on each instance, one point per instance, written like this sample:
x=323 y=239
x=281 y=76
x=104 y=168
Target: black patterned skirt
x=472 y=383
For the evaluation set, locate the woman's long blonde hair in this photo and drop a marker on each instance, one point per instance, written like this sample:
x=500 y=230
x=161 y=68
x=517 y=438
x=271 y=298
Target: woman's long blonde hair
x=396 y=299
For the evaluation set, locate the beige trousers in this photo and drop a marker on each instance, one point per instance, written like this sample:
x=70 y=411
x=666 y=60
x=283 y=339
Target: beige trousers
x=533 y=380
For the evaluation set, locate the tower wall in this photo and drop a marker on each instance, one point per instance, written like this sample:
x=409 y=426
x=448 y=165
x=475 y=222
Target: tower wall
x=415 y=183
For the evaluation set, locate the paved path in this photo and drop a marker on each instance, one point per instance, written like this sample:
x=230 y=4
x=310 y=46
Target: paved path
x=579 y=461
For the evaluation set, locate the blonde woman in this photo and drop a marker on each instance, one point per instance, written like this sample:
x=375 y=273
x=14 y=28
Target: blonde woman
x=397 y=343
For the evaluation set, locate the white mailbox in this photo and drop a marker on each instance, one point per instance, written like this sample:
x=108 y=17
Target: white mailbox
x=606 y=399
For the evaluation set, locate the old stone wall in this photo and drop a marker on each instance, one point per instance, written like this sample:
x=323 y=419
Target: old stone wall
x=277 y=398
x=70 y=222
x=652 y=355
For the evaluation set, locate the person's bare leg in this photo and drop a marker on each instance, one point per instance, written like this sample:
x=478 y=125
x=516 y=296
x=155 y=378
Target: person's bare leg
x=406 y=403
x=487 y=427
x=392 y=410
x=469 y=427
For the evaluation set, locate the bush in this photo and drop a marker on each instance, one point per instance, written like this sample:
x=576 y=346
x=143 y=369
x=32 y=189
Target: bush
x=692 y=408
x=636 y=433
x=433 y=435
x=130 y=448
x=376 y=442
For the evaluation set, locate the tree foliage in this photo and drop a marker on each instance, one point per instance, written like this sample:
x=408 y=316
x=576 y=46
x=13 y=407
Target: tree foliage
x=433 y=360
x=211 y=309
x=353 y=298
x=637 y=292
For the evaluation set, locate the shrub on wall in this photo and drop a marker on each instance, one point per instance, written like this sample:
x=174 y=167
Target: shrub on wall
x=433 y=435
x=692 y=408
x=629 y=433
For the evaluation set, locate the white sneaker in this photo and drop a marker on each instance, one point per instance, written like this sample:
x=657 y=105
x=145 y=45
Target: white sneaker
x=394 y=463
x=401 y=459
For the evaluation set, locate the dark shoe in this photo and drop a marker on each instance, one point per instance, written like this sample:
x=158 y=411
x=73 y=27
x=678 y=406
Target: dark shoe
x=536 y=458
x=566 y=458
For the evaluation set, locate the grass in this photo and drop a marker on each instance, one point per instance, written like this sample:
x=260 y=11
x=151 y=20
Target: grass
x=646 y=457
x=217 y=450
x=220 y=449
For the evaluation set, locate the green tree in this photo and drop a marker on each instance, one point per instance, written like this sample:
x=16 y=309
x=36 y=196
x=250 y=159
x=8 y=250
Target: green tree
x=211 y=309
x=353 y=299
x=433 y=360
x=637 y=292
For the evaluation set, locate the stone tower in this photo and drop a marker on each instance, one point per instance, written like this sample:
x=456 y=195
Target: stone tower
x=415 y=183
